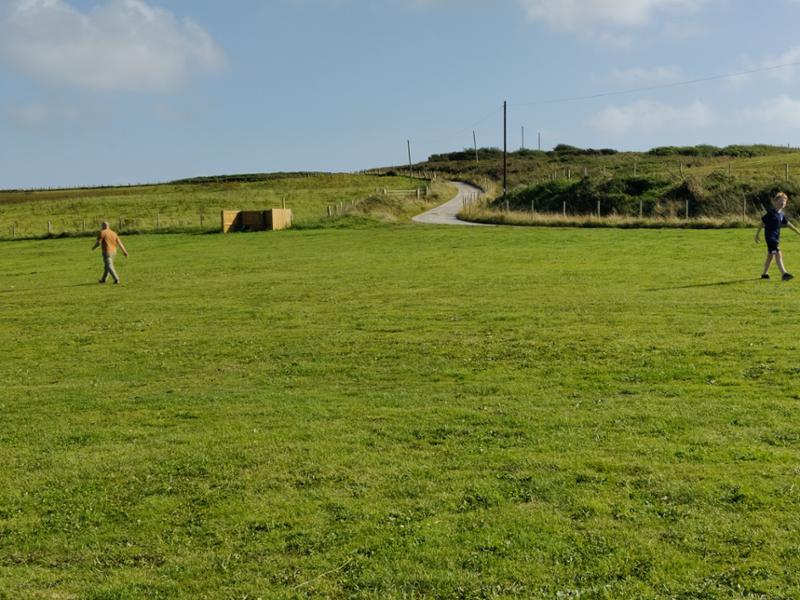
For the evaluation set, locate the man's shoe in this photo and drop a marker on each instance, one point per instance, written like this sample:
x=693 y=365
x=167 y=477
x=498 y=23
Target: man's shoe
x=102 y=281
x=787 y=276
x=765 y=276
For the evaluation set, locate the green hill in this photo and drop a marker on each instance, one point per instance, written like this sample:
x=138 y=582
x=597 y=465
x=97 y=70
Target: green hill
x=195 y=204
x=714 y=181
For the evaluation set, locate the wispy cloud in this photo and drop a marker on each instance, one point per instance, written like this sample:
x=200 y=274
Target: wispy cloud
x=589 y=16
x=779 y=113
x=122 y=45
x=35 y=115
x=648 y=117
x=644 y=76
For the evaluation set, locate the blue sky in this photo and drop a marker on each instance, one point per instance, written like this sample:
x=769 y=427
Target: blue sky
x=127 y=91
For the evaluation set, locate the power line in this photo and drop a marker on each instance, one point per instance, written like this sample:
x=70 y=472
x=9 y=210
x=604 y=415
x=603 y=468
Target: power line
x=454 y=134
x=658 y=87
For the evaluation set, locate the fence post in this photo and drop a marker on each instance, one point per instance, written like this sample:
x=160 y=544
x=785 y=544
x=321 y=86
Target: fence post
x=283 y=202
x=598 y=208
x=640 y=208
x=687 y=209
x=787 y=171
x=49 y=228
x=680 y=166
x=744 y=207
x=533 y=206
x=14 y=230
x=564 y=208
x=201 y=219
x=158 y=221
x=83 y=225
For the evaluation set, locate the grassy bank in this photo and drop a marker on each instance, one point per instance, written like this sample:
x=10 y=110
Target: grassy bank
x=541 y=219
x=398 y=412
x=188 y=206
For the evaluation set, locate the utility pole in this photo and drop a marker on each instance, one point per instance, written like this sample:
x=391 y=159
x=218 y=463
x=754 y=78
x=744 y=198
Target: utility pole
x=505 y=146
x=475 y=143
x=409 y=158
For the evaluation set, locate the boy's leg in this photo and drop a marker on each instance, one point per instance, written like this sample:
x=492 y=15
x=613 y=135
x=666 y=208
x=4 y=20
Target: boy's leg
x=767 y=264
x=109 y=262
x=779 y=260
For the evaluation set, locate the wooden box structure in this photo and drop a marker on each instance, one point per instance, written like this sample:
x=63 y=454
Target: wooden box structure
x=256 y=220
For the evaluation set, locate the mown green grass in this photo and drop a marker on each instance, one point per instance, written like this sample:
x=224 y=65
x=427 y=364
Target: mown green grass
x=186 y=206
x=400 y=412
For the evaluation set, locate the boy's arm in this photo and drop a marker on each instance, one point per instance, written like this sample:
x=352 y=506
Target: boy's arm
x=96 y=243
x=793 y=228
x=122 y=247
x=758 y=232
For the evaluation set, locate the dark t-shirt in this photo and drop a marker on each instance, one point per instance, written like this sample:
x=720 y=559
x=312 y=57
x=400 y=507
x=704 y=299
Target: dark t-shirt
x=773 y=221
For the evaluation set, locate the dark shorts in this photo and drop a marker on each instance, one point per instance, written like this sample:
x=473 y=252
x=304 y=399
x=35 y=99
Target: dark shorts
x=772 y=247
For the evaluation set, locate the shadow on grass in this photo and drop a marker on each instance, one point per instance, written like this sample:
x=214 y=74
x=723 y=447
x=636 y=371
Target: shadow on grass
x=52 y=287
x=702 y=285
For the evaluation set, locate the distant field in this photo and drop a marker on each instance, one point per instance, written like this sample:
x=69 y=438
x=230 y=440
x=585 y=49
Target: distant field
x=186 y=206
x=400 y=412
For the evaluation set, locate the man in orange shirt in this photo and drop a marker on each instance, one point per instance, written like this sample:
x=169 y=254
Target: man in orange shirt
x=109 y=242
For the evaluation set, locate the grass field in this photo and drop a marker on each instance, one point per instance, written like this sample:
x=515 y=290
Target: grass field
x=184 y=206
x=400 y=412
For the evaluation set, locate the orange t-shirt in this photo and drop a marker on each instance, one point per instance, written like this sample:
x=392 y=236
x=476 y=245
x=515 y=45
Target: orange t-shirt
x=108 y=241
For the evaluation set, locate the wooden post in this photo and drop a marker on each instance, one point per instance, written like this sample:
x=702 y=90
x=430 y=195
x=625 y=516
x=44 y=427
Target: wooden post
x=533 y=207
x=687 y=209
x=787 y=171
x=641 y=212
x=729 y=169
x=283 y=202
x=569 y=173
x=598 y=208
x=564 y=208
x=49 y=228
x=585 y=172
x=158 y=221
x=83 y=225
x=330 y=211
x=418 y=193
x=744 y=207
x=201 y=219
x=14 y=230
x=680 y=167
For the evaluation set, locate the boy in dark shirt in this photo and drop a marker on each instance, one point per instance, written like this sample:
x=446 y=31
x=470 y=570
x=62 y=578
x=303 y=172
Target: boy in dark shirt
x=772 y=223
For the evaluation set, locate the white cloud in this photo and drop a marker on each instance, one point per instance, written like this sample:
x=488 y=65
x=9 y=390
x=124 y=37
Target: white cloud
x=122 y=45
x=644 y=76
x=779 y=113
x=647 y=117
x=786 y=74
x=587 y=15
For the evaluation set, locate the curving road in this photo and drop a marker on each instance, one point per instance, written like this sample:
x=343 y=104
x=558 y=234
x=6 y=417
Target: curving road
x=446 y=213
